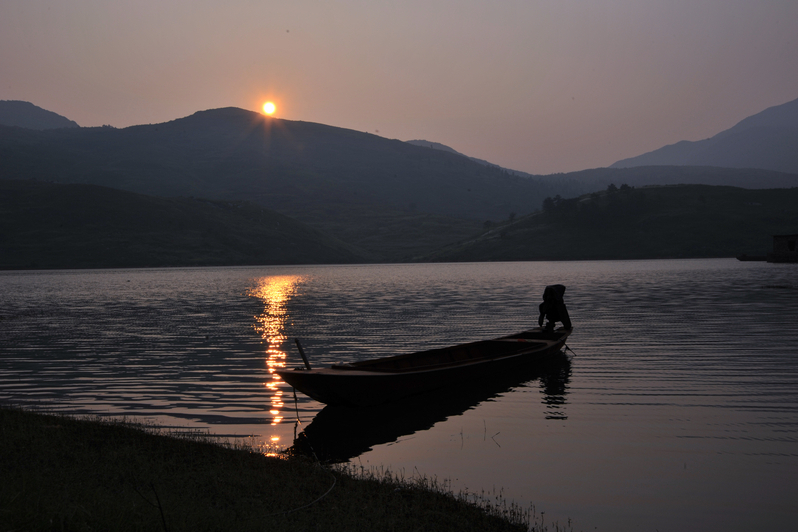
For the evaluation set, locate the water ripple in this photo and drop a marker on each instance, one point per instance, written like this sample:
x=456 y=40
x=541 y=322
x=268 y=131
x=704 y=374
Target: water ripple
x=675 y=361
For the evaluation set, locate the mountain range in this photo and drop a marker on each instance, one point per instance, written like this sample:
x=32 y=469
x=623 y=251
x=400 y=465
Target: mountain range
x=766 y=140
x=388 y=200
x=361 y=187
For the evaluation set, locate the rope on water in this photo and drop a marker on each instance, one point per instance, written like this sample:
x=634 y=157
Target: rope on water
x=569 y=349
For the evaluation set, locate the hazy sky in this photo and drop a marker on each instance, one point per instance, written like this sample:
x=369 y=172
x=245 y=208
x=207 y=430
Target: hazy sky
x=541 y=86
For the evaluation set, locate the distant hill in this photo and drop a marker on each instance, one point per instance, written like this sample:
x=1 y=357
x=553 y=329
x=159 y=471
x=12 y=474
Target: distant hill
x=395 y=200
x=767 y=140
x=584 y=181
x=233 y=153
x=683 y=221
x=16 y=113
x=598 y=179
x=45 y=225
x=319 y=174
x=443 y=147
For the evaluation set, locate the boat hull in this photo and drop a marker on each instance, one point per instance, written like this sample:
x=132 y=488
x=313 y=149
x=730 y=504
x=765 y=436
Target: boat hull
x=391 y=379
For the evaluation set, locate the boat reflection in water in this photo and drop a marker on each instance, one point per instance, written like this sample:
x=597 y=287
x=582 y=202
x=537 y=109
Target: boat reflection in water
x=339 y=433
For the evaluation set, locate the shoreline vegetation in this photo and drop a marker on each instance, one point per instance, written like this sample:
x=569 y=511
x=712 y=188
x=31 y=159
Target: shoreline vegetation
x=67 y=473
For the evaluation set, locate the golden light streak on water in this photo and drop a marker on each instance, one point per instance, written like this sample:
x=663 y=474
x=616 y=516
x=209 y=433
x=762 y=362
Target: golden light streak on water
x=274 y=292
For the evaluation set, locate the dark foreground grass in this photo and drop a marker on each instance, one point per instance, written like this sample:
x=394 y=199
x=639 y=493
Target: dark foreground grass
x=63 y=473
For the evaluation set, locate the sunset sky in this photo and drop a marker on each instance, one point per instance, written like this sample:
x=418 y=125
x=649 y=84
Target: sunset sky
x=541 y=86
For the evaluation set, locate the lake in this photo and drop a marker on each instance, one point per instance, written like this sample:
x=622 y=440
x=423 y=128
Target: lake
x=676 y=409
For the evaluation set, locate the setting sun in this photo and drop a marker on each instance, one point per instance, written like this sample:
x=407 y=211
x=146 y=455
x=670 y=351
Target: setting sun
x=269 y=108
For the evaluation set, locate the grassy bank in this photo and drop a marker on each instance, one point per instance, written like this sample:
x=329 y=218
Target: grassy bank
x=62 y=473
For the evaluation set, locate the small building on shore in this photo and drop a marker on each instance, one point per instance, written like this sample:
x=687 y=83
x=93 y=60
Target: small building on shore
x=784 y=249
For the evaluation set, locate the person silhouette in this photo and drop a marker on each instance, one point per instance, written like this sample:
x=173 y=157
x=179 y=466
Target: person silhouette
x=553 y=308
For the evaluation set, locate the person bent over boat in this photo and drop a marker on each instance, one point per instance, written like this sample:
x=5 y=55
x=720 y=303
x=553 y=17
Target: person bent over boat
x=553 y=307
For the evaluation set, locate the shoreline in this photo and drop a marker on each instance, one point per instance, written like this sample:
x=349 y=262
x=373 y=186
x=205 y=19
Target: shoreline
x=63 y=472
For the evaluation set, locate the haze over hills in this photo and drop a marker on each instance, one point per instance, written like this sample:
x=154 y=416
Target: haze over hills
x=767 y=140
x=17 y=113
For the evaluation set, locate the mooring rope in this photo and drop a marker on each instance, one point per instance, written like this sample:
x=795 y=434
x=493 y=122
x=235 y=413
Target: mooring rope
x=318 y=463
x=569 y=349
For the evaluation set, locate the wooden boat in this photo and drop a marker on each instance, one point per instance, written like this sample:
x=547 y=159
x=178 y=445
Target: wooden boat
x=378 y=381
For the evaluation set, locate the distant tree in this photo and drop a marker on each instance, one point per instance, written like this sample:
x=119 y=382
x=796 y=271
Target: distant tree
x=612 y=188
x=488 y=224
x=548 y=204
x=626 y=187
x=512 y=217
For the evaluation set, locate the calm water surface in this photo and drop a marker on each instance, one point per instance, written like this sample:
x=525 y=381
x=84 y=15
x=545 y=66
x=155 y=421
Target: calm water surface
x=678 y=409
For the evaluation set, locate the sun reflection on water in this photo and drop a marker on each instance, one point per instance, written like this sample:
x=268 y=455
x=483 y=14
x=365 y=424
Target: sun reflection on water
x=274 y=292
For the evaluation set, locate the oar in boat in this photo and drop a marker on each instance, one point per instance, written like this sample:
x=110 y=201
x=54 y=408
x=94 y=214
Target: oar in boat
x=302 y=353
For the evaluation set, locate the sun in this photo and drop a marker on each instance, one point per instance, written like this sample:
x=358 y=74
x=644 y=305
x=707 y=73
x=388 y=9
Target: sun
x=269 y=108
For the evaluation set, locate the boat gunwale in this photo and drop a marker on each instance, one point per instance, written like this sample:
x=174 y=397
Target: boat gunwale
x=362 y=369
